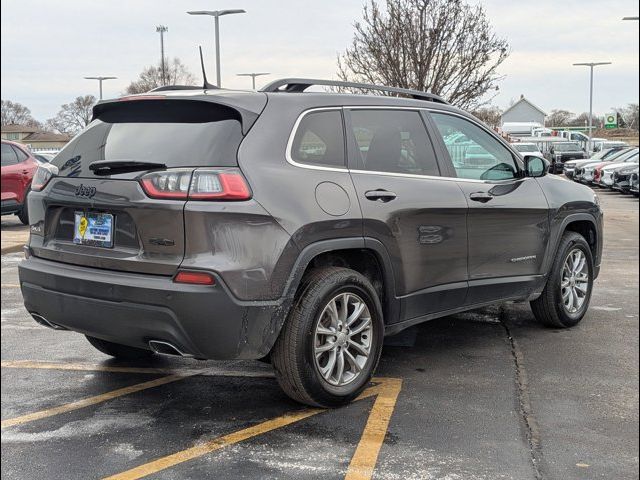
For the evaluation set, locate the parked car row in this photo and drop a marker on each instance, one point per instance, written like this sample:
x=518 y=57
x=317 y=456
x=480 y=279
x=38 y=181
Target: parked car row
x=616 y=168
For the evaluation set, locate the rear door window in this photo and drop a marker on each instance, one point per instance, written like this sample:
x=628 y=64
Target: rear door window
x=394 y=141
x=9 y=156
x=173 y=132
x=319 y=139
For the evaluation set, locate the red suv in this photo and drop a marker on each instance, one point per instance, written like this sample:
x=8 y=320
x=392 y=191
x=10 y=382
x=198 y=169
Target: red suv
x=18 y=168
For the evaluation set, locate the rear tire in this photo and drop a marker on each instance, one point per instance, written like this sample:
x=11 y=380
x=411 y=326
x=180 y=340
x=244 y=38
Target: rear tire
x=23 y=214
x=336 y=317
x=565 y=299
x=117 y=350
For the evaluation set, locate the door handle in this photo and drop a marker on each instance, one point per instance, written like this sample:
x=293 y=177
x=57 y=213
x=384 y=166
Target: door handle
x=380 y=195
x=482 y=197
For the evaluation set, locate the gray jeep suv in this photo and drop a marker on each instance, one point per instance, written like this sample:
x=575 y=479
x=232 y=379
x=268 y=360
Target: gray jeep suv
x=297 y=226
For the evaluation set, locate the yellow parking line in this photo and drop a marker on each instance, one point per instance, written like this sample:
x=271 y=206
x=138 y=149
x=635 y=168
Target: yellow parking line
x=367 y=456
x=213 y=445
x=97 y=367
x=85 y=402
x=9 y=285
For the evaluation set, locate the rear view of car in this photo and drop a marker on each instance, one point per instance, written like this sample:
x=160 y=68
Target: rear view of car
x=122 y=212
x=18 y=168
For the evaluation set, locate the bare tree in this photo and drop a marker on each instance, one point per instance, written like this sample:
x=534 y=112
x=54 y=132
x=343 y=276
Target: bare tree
x=489 y=115
x=447 y=47
x=73 y=116
x=14 y=113
x=151 y=77
x=559 y=118
x=628 y=116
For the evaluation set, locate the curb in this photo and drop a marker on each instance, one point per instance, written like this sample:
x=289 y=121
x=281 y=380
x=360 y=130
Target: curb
x=12 y=249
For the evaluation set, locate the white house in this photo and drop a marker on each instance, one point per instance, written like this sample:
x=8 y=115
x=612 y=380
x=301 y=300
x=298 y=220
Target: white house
x=523 y=111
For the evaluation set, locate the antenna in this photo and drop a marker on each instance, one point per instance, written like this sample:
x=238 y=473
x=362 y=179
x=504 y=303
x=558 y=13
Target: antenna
x=207 y=85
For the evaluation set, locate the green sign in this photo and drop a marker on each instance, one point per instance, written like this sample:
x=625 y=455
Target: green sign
x=611 y=120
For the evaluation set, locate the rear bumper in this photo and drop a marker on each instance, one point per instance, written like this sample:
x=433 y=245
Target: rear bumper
x=132 y=309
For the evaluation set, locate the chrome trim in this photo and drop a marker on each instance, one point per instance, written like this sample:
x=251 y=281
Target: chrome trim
x=294 y=130
x=292 y=135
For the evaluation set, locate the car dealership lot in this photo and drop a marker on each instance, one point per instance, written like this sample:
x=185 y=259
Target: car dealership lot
x=482 y=395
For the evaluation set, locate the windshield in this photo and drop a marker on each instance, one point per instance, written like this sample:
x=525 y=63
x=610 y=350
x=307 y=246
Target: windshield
x=176 y=134
x=567 y=147
x=525 y=147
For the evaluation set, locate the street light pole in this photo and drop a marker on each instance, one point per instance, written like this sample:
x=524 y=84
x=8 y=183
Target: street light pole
x=253 y=77
x=161 y=29
x=591 y=66
x=216 y=14
x=100 y=80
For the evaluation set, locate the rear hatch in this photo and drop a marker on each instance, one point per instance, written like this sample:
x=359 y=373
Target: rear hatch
x=98 y=209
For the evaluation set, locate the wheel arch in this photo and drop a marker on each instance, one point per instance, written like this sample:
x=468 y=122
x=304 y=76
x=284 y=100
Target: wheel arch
x=366 y=256
x=584 y=224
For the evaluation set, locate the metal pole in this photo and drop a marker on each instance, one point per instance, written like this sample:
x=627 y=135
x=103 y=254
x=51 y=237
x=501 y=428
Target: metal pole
x=590 y=111
x=100 y=82
x=218 y=75
x=253 y=82
x=161 y=29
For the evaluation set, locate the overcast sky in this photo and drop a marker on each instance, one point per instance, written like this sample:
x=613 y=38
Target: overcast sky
x=48 y=47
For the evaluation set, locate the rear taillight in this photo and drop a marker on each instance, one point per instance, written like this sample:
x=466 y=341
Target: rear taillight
x=43 y=175
x=219 y=185
x=194 y=278
x=201 y=184
x=168 y=184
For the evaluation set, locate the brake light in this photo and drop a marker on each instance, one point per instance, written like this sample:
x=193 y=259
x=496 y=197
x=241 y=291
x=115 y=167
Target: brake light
x=43 y=175
x=219 y=185
x=203 y=184
x=168 y=184
x=194 y=278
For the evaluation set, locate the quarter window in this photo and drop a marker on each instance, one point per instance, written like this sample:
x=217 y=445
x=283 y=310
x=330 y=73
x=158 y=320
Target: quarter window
x=474 y=152
x=394 y=141
x=8 y=155
x=319 y=139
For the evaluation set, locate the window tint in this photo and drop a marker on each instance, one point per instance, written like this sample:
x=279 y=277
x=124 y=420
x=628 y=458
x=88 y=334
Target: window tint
x=8 y=155
x=319 y=139
x=176 y=133
x=393 y=141
x=20 y=154
x=480 y=156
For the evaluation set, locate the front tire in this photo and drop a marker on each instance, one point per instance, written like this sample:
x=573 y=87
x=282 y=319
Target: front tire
x=117 y=350
x=331 y=341
x=565 y=299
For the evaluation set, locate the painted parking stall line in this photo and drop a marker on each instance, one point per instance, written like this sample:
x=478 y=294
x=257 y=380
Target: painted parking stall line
x=86 y=402
x=361 y=467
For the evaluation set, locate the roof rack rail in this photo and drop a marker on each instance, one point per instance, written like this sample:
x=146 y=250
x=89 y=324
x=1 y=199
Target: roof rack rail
x=301 y=84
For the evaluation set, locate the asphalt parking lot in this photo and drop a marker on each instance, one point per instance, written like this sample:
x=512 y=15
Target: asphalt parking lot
x=483 y=395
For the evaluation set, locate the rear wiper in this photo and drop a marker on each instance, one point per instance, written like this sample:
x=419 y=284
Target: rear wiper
x=109 y=167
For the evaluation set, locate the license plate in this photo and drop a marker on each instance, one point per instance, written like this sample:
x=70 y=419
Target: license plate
x=94 y=229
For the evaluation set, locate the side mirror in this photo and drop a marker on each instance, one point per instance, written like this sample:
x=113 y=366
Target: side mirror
x=535 y=166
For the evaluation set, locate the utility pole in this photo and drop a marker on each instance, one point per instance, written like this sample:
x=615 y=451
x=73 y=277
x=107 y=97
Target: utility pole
x=591 y=66
x=100 y=80
x=216 y=14
x=253 y=77
x=161 y=29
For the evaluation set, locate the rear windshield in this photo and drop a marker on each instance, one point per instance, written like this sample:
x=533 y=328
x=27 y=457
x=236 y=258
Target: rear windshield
x=177 y=133
x=567 y=147
x=526 y=148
